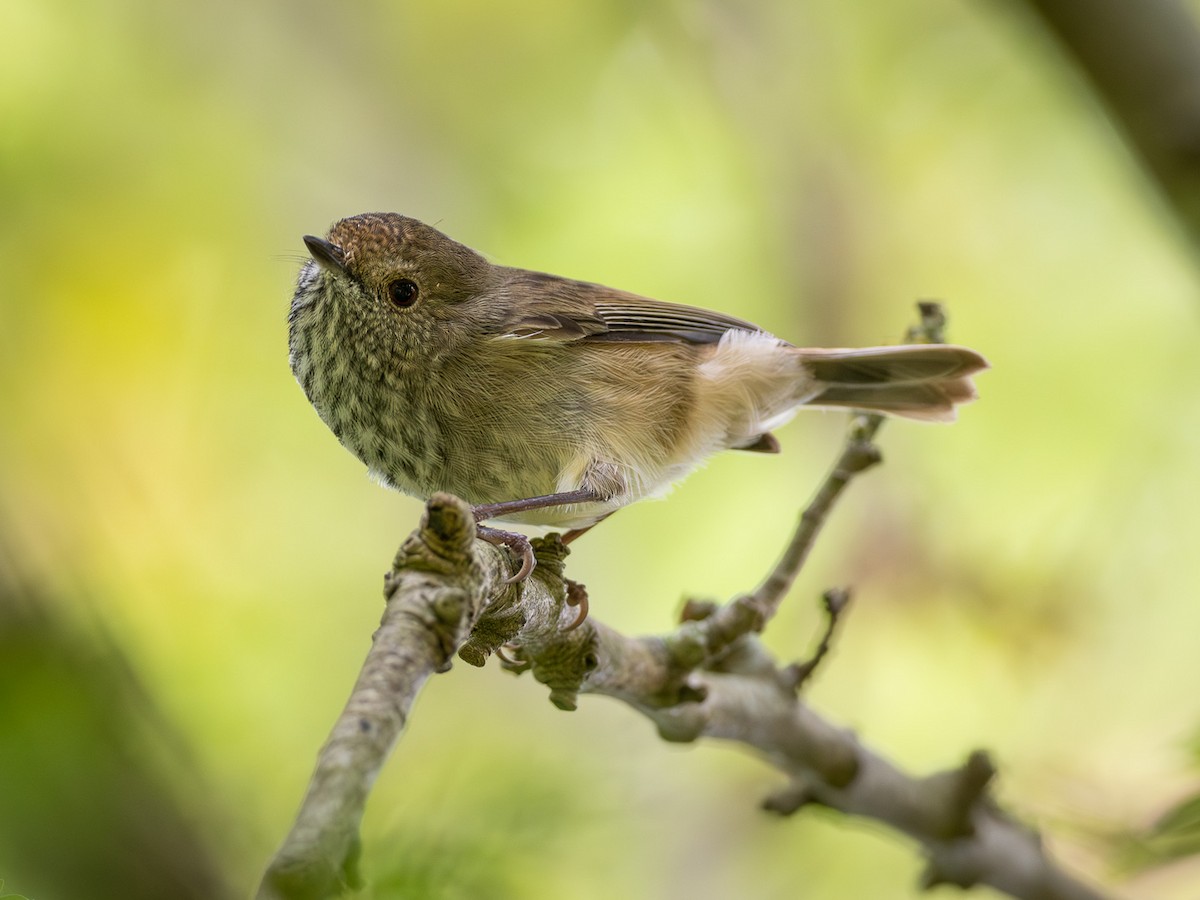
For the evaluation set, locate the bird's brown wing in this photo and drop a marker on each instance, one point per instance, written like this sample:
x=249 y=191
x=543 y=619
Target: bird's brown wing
x=559 y=309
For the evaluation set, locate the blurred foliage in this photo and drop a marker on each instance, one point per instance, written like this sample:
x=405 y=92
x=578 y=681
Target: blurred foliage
x=1175 y=835
x=89 y=772
x=1025 y=579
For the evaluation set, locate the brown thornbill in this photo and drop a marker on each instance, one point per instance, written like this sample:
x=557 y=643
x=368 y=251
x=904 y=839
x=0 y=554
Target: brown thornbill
x=548 y=401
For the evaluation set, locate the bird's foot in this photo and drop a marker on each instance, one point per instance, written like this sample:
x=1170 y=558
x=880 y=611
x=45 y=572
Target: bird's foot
x=517 y=543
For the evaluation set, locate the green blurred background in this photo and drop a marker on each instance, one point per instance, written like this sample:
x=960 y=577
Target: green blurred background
x=1026 y=580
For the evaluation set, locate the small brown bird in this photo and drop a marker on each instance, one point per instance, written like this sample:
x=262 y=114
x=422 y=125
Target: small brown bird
x=548 y=401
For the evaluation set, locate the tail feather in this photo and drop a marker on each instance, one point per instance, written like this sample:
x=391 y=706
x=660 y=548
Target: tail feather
x=919 y=381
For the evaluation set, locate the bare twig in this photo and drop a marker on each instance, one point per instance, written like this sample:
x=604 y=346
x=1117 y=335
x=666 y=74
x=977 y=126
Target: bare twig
x=835 y=600
x=856 y=457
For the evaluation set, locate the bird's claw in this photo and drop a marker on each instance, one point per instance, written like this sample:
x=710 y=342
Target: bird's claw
x=518 y=543
x=576 y=596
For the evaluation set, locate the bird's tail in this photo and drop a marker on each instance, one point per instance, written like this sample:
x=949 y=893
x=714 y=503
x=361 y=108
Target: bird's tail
x=916 y=381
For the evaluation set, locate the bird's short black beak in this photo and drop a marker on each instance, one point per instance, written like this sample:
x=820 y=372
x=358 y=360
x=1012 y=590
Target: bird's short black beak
x=328 y=256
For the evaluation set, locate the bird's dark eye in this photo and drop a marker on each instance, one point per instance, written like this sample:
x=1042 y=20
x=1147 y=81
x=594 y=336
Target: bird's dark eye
x=402 y=292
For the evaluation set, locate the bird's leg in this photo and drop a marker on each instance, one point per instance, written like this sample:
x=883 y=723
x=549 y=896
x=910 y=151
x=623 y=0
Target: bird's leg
x=517 y=542
x=486 y=511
